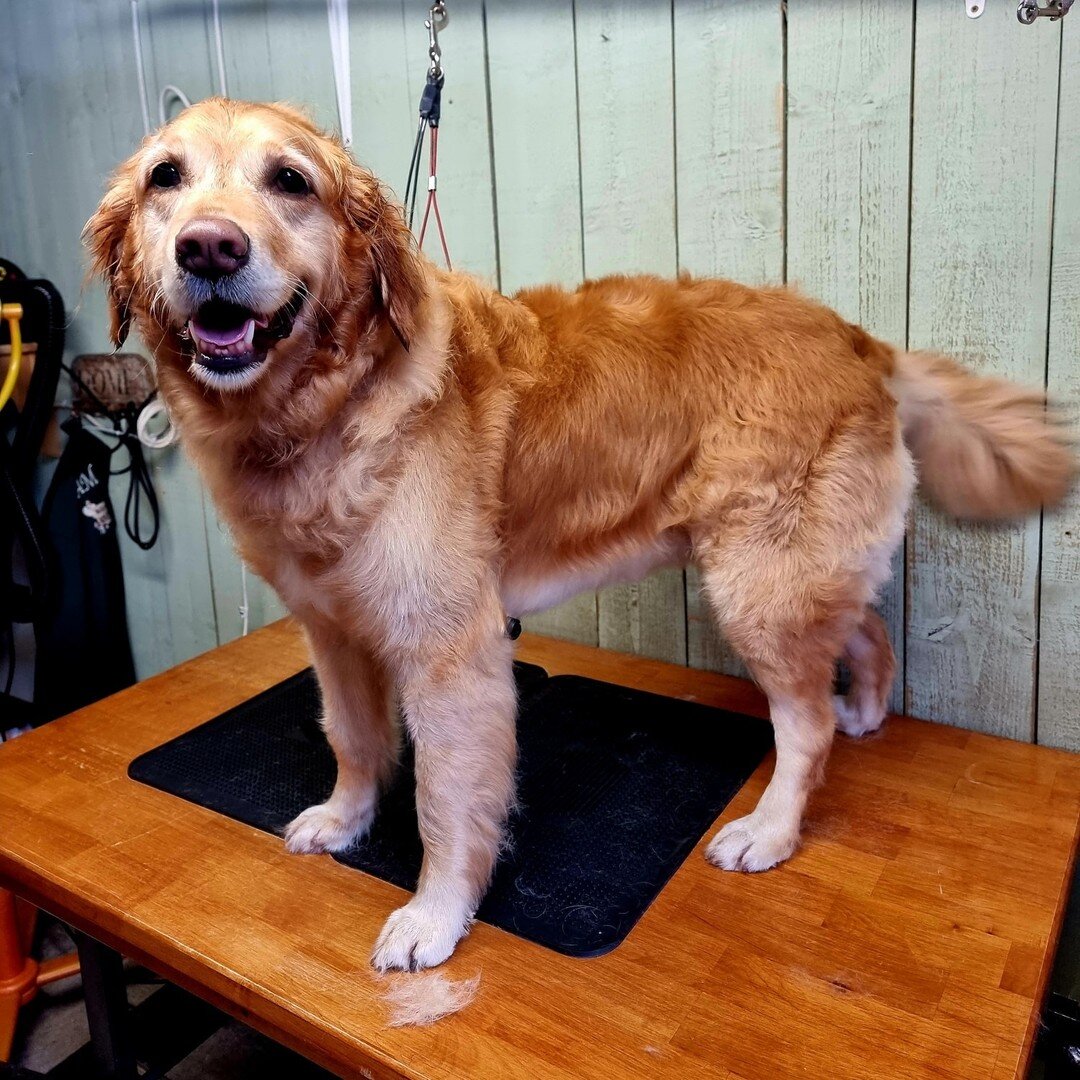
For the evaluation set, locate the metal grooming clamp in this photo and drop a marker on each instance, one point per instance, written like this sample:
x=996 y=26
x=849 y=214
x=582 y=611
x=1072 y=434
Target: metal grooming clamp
x=438 y=19
x=1029 y=10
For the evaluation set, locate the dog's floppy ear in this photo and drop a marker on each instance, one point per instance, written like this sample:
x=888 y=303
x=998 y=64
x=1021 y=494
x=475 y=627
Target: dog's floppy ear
x=396 y=270
x=104 y=236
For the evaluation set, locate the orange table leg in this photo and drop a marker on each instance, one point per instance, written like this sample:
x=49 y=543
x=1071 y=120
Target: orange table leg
x=20 y=973
x=9 y=1015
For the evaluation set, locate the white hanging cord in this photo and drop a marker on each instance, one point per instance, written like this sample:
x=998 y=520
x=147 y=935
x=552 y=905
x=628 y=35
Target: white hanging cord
x=109 y=427
x=167 y=92
x=223 y=88
x=140 y=71
x=337 y=14
x=166 y=436
x=244 y=607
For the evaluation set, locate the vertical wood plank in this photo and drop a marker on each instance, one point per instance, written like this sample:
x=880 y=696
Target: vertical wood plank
x=384 y=98
x=279 y=50
x=18 y=234
x=538 y=185
x=849 y=104
x=179 y=50
x=625 y=80
x=1059 y=621
x=170 y=597
x=980 y=248
x=535 y=138
x=729 y=138
x=263 y=605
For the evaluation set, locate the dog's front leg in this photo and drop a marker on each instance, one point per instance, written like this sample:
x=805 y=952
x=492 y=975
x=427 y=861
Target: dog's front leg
x=459 y=708
x=360 y=727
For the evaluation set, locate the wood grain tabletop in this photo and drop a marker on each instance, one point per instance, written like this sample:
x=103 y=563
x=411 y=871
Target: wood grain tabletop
x=911 y=936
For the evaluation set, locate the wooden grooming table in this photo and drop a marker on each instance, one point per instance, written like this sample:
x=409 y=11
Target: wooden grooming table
x=911 y=936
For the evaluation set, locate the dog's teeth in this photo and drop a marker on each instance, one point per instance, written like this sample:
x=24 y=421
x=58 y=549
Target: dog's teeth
x=249 y=332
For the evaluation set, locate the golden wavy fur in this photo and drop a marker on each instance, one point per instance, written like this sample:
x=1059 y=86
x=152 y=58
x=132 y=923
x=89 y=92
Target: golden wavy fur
x=420 y=457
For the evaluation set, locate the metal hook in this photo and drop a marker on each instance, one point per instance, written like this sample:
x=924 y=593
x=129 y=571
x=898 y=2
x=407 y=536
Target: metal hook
x=1029 y=10
x=438 y=19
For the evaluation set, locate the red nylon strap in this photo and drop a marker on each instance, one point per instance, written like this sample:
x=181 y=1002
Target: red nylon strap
x=433 y=199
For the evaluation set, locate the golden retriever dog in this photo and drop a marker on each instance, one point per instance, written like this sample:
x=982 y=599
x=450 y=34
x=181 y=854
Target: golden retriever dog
x=409 y=458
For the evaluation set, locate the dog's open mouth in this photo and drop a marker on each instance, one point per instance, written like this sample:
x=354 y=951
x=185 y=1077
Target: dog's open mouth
x=229 y=337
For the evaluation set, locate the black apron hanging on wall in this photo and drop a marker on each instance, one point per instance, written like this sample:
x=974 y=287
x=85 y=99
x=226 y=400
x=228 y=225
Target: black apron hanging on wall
x=25 y=585
x=83 y=648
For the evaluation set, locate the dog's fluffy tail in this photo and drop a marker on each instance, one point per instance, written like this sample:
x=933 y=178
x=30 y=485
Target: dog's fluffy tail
x=985 y=448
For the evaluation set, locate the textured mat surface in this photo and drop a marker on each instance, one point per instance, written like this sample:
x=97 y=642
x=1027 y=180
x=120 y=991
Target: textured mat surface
x=616 y=787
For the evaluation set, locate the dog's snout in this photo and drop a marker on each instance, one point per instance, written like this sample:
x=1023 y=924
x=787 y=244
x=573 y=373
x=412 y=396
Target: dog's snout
x=212 y=247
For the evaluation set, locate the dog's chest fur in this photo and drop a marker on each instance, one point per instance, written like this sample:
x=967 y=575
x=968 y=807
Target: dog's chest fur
x=367 y=540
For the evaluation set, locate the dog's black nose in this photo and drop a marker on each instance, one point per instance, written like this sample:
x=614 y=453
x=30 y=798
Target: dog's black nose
x=211 y=247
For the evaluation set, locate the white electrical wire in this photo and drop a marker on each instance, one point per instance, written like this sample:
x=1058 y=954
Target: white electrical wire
x=165 y=437
x=170 y=89
x=106 y=427
x=140 y=71
x=337 y=14
x=163 y=97
x=223 y=88
x=244 y=607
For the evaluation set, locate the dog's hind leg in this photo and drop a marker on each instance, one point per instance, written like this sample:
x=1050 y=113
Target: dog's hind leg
x=359 y=725
x=459 y=704
x=789 y=630
x=870 y=658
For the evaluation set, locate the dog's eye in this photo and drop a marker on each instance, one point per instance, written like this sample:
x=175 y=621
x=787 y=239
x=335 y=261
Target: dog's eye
x=291 y=182
x=165 y=175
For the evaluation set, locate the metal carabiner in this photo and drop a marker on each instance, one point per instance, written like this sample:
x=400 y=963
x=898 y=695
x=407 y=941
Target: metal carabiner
x=438 y=19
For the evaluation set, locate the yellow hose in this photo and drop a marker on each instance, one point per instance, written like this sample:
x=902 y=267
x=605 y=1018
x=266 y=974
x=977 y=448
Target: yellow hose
x=13 y=313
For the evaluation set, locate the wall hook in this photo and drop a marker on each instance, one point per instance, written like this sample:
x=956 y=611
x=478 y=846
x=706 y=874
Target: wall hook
x=1028 y=10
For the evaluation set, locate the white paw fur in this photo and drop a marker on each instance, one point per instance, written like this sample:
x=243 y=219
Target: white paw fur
x=416 y=937
x=855 y=721
x=751 y=844
x=322 y=828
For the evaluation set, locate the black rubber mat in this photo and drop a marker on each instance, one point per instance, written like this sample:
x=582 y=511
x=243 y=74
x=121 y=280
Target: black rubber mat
x=616 y=786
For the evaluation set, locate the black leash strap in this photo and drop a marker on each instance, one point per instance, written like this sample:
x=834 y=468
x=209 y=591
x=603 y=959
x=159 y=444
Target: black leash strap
x=140 y=483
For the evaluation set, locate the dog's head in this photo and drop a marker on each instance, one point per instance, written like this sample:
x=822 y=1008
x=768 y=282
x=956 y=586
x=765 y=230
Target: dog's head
x=238 y=236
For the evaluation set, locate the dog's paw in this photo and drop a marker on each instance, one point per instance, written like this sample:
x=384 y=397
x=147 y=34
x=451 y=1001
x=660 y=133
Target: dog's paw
x=319 y=828
x=747 y=844
x=415 y=937
x=854 y=721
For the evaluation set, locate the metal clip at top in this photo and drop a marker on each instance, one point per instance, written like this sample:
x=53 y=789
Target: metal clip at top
x=1028 y=10
x=438 y=19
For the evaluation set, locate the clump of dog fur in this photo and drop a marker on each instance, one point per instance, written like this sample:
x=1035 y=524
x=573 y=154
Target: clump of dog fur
x=418 y=1000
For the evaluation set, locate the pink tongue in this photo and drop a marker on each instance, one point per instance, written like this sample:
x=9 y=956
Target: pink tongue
x=221 y=337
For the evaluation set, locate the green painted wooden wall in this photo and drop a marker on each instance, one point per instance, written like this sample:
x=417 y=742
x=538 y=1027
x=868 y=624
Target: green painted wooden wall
x=891 y=157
